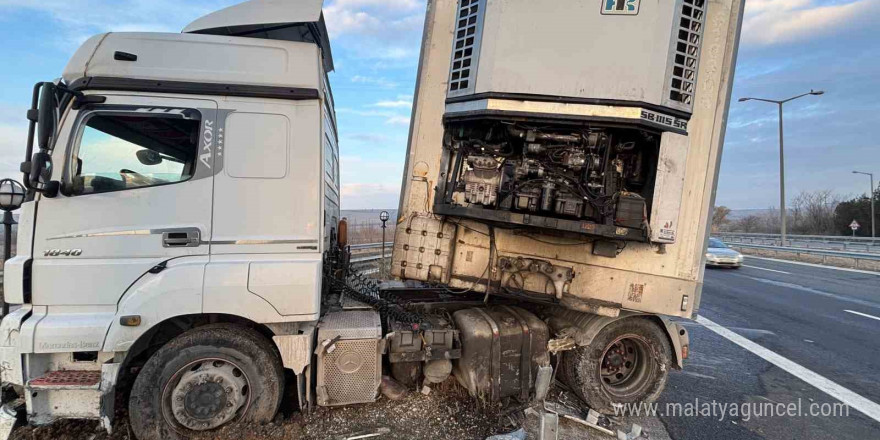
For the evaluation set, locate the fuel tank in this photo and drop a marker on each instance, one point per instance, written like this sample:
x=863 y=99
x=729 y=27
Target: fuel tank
x=503 y=348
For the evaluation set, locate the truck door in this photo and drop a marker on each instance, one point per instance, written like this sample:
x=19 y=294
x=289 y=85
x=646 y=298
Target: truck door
x=137 y=184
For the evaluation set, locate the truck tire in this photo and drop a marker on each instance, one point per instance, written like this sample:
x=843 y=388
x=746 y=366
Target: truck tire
x=208 y=377
x=626 y=363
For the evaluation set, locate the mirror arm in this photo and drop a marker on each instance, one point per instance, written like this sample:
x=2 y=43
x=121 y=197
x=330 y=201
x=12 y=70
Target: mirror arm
x=51 y=188
x=33 y=116
x=65 y=89
x=45 y=94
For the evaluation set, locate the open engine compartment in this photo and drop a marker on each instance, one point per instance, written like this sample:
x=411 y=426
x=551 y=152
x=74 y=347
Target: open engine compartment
x=579 y=177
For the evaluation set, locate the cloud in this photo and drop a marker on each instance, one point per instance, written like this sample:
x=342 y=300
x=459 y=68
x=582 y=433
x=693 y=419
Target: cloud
x=398 y=120
x=123 y=15
x=406 y=5
x=367 y=113
x=391 y=118
x=384 y=19
x=370 y=196
x=379 y=82
x=770 y=22
x=12 y=145
x=371 y=138
x=388 y=31
x=398 y=54
x=400 y=103
x=13 y=135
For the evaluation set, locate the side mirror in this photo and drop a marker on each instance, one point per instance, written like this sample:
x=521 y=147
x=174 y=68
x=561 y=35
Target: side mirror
x=41 y=174
x=46 y=119
x=149 y=157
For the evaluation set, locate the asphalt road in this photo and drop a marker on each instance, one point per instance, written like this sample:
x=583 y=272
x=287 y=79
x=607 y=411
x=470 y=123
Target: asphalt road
x=802 y=313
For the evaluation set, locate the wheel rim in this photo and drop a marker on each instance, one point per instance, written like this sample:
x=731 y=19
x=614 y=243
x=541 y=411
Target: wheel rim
x=205 y=394
x=626 y=365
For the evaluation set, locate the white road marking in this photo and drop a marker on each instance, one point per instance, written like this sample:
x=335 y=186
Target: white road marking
x=824 y=384
x=801 y=263
x=768 y=270
x=862 y=314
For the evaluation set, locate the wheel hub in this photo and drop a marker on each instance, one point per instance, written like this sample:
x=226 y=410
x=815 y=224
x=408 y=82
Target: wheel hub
x=620 y=361
x=205 y=401
x=208 y=394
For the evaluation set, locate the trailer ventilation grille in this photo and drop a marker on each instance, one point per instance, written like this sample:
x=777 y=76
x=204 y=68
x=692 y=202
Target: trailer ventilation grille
x=466 y=45
x=687 y=40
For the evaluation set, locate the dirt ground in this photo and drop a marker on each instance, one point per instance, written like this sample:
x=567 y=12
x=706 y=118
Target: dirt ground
x=448 y=413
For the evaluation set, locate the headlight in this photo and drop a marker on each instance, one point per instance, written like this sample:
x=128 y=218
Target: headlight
x=739 y=258
x=710 y=256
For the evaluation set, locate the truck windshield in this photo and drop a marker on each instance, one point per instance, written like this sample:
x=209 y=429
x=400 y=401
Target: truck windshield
x=121 y=151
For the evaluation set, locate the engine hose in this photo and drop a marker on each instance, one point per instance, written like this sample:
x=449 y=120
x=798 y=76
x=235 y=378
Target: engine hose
x=367 y=291
x=361 y=282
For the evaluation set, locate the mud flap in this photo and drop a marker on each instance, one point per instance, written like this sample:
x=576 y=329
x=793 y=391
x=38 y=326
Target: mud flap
x=109 y=374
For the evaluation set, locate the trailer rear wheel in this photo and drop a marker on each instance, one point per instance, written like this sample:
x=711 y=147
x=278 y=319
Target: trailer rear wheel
x=626 y=363
x=203 y=379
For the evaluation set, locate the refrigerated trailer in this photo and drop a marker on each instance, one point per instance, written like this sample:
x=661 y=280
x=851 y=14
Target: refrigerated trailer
x=181 y=240
x=565 y=154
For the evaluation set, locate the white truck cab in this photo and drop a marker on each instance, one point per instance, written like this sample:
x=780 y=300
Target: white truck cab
x=179 y=178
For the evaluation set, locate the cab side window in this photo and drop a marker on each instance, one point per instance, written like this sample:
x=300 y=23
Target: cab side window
x=126 y=150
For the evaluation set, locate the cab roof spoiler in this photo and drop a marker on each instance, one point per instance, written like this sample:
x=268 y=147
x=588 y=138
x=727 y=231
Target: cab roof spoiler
x=287 y=20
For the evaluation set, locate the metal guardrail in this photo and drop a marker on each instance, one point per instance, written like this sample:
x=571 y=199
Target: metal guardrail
x=821 y=242
x=360 y=247
x=369 y=247
x=799 y=237
x=366 y=259
x=799 y=250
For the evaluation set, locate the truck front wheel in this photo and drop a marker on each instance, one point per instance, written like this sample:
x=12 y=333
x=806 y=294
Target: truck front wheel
x=203 y=379
x=627 y=363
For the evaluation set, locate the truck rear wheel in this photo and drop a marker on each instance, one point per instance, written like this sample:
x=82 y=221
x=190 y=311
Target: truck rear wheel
x=626 y=363
x=203 y=379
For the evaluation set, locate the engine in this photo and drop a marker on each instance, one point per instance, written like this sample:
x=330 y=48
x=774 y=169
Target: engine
x=591 y=179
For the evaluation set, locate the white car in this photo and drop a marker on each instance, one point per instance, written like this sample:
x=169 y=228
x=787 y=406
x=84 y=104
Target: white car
x=719 y=255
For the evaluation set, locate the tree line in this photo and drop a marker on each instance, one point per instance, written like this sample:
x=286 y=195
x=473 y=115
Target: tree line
x=810 y=213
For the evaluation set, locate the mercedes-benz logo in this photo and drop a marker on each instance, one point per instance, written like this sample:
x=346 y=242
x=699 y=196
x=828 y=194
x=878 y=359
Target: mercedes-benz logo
x=349 y=362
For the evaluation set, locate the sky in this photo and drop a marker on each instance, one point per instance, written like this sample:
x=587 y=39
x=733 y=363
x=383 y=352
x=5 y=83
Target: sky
x=788 y=47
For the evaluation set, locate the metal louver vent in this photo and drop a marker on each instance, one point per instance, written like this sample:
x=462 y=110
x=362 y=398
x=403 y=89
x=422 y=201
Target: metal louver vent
x=466 y=45
x=349 y=368
x=686 y=52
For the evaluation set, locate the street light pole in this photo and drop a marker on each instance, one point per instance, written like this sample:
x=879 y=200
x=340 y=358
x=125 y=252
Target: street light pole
x=8 y=221
x=383 y=216
x=871 y=196
x=782 y=213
